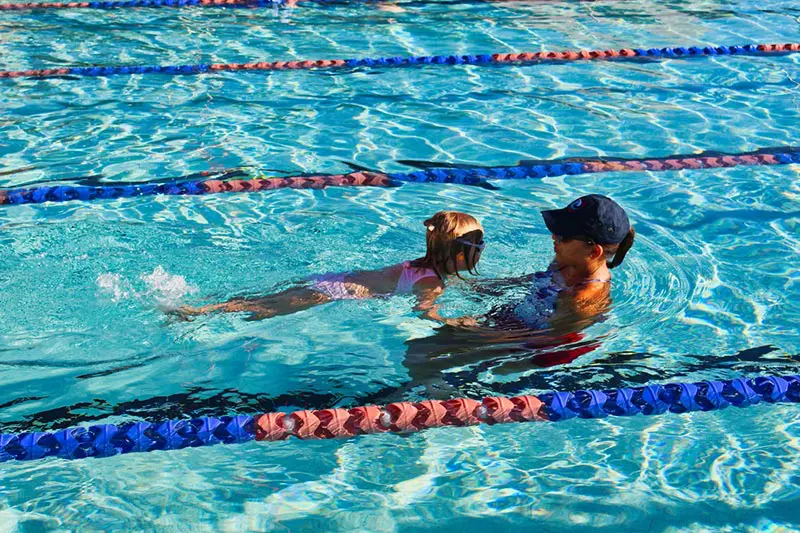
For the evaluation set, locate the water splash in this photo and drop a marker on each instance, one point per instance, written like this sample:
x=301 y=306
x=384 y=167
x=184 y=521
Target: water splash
x=113 y=284
x=168 y=290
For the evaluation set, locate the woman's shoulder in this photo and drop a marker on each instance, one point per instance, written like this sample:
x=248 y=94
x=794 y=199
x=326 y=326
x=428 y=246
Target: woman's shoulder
x=591 y=289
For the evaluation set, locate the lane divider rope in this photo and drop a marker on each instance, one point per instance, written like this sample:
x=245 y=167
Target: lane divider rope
x=464 y=176
x=388 y=62
x=127 y=4
x=104 y=440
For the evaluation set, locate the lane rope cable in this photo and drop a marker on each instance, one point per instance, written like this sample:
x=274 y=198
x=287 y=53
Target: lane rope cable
x=476 y=176
x=105 y=440
x=398 y=61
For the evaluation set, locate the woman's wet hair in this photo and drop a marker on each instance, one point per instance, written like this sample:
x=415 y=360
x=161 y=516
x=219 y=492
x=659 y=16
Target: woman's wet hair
x=448 y=234
x=619 y=250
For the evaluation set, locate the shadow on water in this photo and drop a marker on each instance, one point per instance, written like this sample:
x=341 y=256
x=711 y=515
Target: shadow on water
x=613 y=370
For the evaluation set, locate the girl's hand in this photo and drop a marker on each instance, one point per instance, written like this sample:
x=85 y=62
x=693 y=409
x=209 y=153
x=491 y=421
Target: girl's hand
x=462 y=322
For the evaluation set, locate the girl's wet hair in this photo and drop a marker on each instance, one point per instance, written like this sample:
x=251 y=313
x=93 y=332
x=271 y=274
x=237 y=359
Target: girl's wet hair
x=448 y=234
x=620 y=250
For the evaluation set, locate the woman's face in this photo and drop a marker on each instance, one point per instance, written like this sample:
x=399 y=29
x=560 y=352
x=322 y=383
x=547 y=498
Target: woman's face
x=572 y=251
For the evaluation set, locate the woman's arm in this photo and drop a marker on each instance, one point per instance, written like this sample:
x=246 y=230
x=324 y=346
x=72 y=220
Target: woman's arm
x=498 y=286
x=579 y=306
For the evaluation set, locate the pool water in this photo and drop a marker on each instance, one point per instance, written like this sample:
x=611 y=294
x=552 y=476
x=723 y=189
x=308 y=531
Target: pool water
x=711 y=288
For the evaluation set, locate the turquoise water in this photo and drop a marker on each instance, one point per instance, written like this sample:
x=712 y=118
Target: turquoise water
x=711 y=289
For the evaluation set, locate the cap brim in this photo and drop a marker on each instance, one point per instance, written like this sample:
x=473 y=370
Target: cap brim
x=555 y=220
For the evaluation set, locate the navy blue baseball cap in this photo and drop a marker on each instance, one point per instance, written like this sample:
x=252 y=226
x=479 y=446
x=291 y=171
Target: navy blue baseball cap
x=594 y=216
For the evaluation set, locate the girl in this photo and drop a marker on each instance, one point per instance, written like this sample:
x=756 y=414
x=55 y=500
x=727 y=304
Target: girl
x=454 y=242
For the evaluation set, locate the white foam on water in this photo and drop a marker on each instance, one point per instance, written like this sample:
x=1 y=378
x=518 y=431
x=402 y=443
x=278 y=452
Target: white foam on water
x=167 y=289
x=113 y=284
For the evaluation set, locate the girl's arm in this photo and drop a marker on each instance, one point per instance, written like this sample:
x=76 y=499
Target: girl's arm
x=428 y=291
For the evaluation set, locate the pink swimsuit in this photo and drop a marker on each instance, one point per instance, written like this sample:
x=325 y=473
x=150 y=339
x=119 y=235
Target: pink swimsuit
x=335 y=287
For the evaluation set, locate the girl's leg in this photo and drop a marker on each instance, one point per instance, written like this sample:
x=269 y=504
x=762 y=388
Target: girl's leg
x=283 y=303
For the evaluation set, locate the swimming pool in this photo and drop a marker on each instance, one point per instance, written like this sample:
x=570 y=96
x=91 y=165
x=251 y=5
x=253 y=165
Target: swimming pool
x=710 y=290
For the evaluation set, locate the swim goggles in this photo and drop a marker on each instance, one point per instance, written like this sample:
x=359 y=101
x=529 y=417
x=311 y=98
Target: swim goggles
x=480 y=245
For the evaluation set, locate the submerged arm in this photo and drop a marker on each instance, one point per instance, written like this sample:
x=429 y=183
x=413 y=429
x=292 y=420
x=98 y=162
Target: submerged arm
x=428 y=291
x=578 y=308
x=498 y=286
